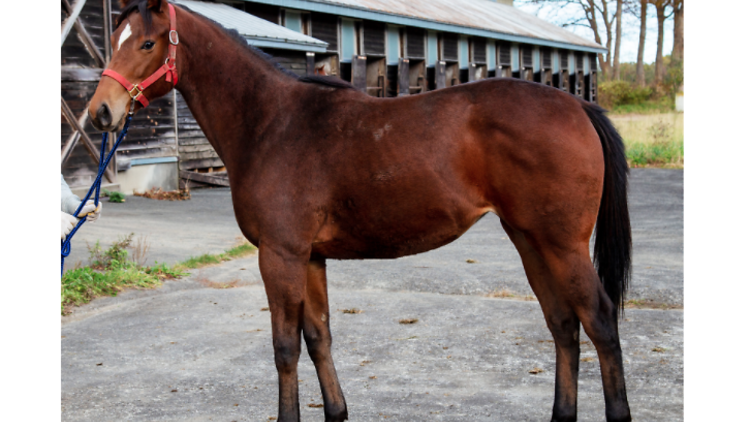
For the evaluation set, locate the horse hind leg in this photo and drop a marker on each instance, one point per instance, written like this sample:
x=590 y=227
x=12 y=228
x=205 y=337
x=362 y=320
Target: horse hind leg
x=562 y=322
x=569 y=291
x=317 y=333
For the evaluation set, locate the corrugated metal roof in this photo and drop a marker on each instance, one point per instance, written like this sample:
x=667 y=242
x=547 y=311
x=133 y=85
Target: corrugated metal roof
x=258 y=32
x=472 y=17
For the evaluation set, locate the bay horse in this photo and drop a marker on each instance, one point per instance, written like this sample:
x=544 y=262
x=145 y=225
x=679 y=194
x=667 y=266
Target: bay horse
x=319 y=170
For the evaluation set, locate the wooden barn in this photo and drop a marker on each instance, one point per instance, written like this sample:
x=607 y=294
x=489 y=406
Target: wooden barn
x=385 y=48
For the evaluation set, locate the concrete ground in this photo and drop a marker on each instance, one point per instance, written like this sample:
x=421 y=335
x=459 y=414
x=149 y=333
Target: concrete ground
x=189 y=352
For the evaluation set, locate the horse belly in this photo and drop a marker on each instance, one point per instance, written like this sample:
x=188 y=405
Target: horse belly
x=388 y=238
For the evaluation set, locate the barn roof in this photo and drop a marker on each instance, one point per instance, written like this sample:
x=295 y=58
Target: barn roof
x=258 y=32
x=481 y=18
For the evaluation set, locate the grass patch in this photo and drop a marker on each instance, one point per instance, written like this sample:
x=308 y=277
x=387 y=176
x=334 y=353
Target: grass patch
x=205 y=260
x=654 y=106
x=109 y=273
x=113 y=270
x=652 y=140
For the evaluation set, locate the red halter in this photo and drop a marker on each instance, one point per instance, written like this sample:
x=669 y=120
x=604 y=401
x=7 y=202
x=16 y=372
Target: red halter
x=168 y=68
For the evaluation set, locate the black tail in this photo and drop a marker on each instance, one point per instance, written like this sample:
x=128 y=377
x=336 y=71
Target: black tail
x=612 y=247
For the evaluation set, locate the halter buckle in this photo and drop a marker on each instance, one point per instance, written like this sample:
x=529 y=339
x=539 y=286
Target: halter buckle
x=135 y=92
x=174 y=38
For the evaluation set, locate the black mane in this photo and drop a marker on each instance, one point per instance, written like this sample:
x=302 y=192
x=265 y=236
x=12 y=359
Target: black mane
x=330 y=81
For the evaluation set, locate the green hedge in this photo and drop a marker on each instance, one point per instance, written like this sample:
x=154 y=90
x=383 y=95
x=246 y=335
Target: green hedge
x=617 y=93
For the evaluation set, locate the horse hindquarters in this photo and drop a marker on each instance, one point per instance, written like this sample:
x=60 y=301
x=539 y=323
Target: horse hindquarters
x=551 y=230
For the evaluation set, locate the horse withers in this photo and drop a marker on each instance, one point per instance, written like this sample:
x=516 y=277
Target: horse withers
x=319 y=170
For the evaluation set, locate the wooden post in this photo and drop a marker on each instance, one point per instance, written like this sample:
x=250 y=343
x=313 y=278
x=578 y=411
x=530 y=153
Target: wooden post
x=440 y=75
x=310 y=64
x=403 y=76
x=472 y=72
x=359 y=72
x=107 y=5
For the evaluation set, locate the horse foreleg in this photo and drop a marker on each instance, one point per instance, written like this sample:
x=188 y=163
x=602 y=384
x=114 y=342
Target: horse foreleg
x=317 y=334
x=284 y=274
x=562 y=322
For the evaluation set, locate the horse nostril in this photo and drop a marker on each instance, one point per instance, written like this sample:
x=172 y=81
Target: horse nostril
x=104 y=115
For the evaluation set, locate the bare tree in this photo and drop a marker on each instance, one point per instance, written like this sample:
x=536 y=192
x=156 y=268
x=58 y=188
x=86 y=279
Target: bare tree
x=678 y=49
x=640 y=72
x=661 y=16
x=618 y=41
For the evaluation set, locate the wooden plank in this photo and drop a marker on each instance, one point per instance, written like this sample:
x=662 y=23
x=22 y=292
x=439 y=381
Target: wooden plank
x=73 y=13
x=199 y=164
x=70 y=143
x=73 y=139
x=77 y=74
x=85 y=37
x=359 y=72
x=204 y=178
x=92 y=150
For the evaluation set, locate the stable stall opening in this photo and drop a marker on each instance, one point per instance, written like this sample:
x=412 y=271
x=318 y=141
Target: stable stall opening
x=590 y=81
x=326 y=64
x=452 y=74
x=545 y=77
x=477 y=59
x=375 y=76
x=503 y=60
x=416 y=40
x=576 y=79
x=561 y=79
x=527 y=62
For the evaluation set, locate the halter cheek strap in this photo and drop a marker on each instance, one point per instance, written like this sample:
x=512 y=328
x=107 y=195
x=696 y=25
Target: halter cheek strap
x=168 y=68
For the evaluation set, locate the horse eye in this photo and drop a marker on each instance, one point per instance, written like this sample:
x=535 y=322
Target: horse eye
x=148 y=45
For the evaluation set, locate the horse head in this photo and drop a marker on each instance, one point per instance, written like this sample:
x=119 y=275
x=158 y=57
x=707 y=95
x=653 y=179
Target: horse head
x=140 y=50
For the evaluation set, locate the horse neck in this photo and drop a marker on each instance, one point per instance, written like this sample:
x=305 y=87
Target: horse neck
x=232 y=94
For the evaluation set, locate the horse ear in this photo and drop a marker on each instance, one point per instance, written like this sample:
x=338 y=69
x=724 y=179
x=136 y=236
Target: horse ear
x=124 y=3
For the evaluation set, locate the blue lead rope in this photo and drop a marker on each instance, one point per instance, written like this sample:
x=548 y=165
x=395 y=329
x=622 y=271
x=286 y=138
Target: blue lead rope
x=103 y=163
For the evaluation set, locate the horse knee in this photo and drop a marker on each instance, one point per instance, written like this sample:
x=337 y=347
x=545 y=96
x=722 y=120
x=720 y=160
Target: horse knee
x=318 y=344
x=286 y=355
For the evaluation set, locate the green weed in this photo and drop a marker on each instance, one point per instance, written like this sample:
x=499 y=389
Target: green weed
x=212 y=259
x=111 y=271
x=114 y=196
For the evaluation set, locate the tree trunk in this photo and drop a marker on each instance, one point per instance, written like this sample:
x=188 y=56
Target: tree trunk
x=659 y=70
x=618 y=40
x=589 y=8
x=640 y=73
x=678 y=50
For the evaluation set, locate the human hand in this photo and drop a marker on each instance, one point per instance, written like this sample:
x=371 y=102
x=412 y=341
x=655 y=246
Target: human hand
x=91 y=211
x=68 y=223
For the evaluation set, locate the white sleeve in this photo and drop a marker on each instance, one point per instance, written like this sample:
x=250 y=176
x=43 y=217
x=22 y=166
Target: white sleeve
x=69 y=200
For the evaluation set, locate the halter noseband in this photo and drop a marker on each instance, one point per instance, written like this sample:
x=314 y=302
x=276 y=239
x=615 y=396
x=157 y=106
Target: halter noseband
x=168 y=68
